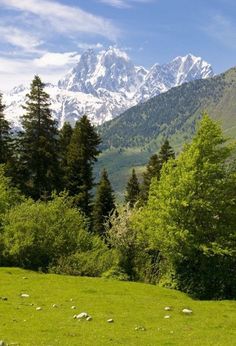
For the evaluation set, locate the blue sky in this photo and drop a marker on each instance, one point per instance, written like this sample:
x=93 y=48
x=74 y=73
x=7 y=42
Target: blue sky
x=46 y=37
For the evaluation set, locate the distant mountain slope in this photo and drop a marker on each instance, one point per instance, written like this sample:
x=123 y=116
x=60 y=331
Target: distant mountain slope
x=132 y=137
x=104 y=84
x=174 y=111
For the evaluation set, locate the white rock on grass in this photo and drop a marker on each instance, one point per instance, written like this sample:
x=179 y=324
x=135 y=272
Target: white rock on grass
x=168 y=308
x=167 y=316
x=187 y=311
x=89 y=318
x=24 y=295
x=73 y=307
x=82 y=315
x=54 y=305
x=110 y=320
x=3 y=343
x=38 y=308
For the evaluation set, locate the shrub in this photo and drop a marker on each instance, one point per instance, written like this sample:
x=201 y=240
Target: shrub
x=93 y=262
x=35 y=234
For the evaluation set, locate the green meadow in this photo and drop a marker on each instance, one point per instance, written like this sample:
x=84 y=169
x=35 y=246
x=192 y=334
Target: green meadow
x=138 y=311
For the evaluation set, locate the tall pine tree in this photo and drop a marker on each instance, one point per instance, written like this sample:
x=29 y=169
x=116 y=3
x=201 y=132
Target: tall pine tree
x=82 y=153
x=4 y=135
x=132 y=190
x=153 y=169
x=38 y=165
x=104 y=204
x=65 y=135
x=166 y=152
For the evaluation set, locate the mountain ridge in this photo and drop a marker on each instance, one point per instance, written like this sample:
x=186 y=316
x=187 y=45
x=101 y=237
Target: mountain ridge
x=104 y=84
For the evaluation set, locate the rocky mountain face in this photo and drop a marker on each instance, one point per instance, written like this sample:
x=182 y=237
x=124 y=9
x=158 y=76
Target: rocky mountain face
x=104 y=84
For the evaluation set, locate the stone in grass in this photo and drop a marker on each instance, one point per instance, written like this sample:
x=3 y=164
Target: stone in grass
x=110 y=320
x=82 y=315
x=168 y=308
x=4 y=298
x=89 y=318
x=3 y=343
x=73 y=307
x=187 y=311
x=39 y=308
x=54 y=305
x=167 y=316
x=140 y=328
x=24 y=278
x=24 y=295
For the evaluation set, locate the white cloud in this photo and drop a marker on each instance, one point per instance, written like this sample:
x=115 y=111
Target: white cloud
x=84 y=46
x=50 y=66
x=123 y=3
x=64 y=18
x=19 y=38
x=56 y=59
x=222 y=29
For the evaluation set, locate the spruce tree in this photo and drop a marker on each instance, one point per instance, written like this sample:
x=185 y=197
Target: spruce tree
x=65 y=135
x=38 y=165
x=132 y=190
x=166 y=152
x=104 y=204
x=82 y=153
x=4 y=135
x=153 y=169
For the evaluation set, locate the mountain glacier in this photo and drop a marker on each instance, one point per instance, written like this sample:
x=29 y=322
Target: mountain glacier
x=104 y=84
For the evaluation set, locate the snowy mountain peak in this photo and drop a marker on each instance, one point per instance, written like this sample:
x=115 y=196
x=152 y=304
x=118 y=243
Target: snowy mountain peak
x=105 y=83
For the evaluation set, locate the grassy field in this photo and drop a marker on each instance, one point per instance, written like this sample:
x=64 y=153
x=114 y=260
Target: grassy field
x=130 y=305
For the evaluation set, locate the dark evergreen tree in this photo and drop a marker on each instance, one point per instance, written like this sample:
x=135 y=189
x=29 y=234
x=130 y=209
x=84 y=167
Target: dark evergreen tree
x=104 y=204
x=65 y=135
x=38 y=164
x=166 y=152
x=5 y=137
x=82 y=153
x=132 y=190
x=153 y=169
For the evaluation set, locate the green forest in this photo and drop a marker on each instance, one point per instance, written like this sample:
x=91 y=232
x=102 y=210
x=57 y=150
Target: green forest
x=175 y=228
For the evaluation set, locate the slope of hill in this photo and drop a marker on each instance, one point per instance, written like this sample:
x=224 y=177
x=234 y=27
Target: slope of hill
x=137 y=310
x=139 y=131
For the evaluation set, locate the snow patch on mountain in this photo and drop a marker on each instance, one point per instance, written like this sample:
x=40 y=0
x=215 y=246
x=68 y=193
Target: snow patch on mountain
x=104 y=84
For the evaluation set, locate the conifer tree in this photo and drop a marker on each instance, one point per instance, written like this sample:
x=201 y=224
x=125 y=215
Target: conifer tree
x=153 y=169
x=82 y=153
x=104 y=204
x=132 y=189
x=38 y=165
x=166 y=152
x=4 y=135
x=65 y=135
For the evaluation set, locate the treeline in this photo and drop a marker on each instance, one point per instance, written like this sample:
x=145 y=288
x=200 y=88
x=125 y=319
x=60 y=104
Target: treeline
x=177 y=227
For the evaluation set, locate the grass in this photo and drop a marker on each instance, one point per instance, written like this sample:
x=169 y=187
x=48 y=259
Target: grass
x=129 y=304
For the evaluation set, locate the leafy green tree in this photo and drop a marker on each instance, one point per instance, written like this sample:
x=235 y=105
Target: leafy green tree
x=191 y=216
x=5 y=137
x=104 y=204
x=153 y=169
x=82 y=153
x=38 y=164
x=132 y=189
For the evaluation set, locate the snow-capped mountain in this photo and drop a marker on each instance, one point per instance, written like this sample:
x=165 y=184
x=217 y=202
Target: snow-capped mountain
x=104 y=84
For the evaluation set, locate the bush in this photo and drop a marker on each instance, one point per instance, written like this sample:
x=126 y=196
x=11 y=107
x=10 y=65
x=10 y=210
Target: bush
x=35 y=234
x=93 y=262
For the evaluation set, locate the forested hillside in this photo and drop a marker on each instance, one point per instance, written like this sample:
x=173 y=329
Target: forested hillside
x=132 y=137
